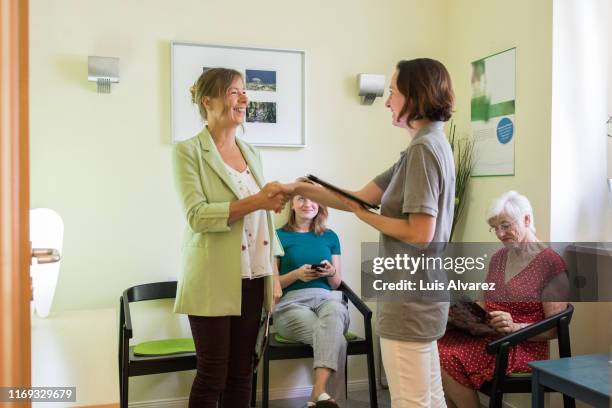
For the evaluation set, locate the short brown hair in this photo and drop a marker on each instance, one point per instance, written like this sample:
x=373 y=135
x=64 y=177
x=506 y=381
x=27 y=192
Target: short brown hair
x=427 y=87
x=214 y=83
x=317 y=225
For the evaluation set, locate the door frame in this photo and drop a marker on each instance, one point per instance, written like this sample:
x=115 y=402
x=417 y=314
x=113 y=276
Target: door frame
x=15 y=251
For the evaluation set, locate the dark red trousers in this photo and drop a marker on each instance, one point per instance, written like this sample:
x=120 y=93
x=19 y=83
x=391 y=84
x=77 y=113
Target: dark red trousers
x=225 y=347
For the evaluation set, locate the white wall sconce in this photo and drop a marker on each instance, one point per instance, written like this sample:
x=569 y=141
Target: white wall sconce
x=103 y=71
x=370 y=86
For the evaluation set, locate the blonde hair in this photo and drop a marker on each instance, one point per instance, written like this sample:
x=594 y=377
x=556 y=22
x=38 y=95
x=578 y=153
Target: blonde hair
x=214 y=83
x=515 y=205
x=317 y=225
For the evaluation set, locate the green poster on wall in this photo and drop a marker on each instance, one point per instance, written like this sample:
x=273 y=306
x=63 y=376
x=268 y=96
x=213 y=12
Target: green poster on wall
x=492 y=114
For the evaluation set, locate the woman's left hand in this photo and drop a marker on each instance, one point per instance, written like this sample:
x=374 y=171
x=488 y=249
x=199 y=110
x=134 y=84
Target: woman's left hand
x=351 y=205
x=328 y=269
x=502 y=322
x=278 y=290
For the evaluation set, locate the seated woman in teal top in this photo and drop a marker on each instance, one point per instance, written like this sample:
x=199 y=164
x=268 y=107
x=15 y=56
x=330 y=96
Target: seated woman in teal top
x=310 y=311
x=304 y=247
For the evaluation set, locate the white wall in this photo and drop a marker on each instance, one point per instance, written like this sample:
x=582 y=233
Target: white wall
x=103 y=161
x=476 y=29
x=581 y=209
x=579 y=199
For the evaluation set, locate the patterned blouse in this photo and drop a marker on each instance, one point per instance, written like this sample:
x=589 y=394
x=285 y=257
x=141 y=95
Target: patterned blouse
x=255 y=255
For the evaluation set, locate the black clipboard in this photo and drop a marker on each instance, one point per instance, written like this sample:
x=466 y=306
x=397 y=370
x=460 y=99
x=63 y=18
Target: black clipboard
x=341 y=192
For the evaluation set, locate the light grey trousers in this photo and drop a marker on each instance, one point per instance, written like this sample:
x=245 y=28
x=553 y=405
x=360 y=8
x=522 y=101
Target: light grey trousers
x=318 y=317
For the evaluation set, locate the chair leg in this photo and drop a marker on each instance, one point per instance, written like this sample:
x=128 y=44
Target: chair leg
x=120 y=390
x=372 y=376
x=120 y=384
x=125 y=374
x=125 y=382
x=568 y=402
x=380 y=367
x=254 y=390
x=265 y=386
x=346 y=378
x=496 y=400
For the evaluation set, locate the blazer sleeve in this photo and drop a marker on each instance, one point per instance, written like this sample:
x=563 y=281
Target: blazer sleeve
x=201 y=215
x=277 y=247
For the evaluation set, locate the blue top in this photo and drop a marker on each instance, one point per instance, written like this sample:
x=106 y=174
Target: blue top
x=306 y=248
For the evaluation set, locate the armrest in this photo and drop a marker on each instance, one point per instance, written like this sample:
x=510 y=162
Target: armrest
x=128 y=318
x=355 y=300
x=530 y=331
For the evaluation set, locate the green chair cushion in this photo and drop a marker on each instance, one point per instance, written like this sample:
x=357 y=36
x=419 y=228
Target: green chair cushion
x=176 y=346
x=164 y=347
x=349 y=336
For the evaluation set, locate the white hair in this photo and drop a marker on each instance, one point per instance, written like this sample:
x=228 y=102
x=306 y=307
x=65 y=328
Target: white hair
x=513 y=204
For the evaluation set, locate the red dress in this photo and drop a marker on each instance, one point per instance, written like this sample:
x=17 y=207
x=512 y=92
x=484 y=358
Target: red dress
x=464 y=357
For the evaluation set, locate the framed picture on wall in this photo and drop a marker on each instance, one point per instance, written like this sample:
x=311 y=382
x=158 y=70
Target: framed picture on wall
x=275 y=84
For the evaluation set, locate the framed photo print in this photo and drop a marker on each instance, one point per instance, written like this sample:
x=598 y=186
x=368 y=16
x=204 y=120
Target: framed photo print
x=275 y=85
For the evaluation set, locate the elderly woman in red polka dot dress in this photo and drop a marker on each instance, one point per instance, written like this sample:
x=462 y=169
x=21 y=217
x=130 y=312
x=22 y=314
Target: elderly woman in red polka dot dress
x=524 y=269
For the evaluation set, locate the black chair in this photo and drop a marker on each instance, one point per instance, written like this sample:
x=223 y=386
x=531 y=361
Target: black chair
x=285 y=351
x=507 y=384
x=132 y=365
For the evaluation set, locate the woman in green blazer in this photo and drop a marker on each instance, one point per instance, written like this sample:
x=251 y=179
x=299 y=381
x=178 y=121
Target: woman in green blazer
x=227 y=273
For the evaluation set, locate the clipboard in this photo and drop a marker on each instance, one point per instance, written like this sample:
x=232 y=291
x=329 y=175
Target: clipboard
x=342 y=192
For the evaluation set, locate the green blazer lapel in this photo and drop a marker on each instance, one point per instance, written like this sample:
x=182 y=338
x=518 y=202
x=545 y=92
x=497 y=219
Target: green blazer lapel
x=213 y=158
x=253 y=162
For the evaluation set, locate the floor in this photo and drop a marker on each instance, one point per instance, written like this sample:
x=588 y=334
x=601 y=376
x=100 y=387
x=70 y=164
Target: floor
x=359 y=399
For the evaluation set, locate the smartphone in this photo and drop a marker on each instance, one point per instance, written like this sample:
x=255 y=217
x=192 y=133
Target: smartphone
x=317 y=267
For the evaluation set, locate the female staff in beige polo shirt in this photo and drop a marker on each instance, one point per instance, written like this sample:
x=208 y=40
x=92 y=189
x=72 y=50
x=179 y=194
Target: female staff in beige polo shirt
x=228 y=272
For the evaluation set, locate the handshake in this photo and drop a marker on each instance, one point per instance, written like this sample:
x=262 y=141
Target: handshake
x=274 y=195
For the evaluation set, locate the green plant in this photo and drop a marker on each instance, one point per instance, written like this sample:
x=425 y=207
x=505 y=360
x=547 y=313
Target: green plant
x=463 y=152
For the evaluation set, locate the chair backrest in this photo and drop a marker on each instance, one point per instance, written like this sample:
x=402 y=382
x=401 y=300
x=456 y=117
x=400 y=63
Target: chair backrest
x=151 y=291
x=563 y=334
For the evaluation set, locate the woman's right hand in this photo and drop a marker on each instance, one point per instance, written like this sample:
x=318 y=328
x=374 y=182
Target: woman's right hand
x=305 y=273
x=273 y=197
x=502 y=322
